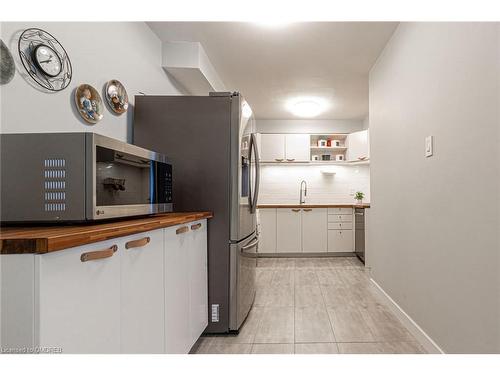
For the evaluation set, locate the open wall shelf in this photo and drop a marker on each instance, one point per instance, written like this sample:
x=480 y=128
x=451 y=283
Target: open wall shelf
x=328 y=147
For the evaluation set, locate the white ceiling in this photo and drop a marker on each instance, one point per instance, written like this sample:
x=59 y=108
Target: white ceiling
x=271 y=65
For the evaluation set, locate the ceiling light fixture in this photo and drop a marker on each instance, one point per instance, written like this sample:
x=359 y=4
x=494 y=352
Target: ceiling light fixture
x=306 y=107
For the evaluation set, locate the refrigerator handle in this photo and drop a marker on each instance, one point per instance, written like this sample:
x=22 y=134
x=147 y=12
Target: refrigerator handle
x=251 y=245
x=253 y=143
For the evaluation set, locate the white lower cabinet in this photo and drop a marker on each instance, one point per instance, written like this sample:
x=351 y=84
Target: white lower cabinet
x=177 y=330
x=340 y=241
x=78 y=302
x=267 y=227
x=307 y=230
x=314 y=230
x=288 y=230
x=198 y=279
x=145 y=293
x=186 y=301
x=142 y=306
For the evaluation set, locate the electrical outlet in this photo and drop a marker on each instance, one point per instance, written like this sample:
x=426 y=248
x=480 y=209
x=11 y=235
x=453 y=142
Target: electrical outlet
x=215 y=313
x=352 y=192
x=429 y=146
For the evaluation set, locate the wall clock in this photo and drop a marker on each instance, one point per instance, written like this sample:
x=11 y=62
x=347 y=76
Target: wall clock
x=45 y=59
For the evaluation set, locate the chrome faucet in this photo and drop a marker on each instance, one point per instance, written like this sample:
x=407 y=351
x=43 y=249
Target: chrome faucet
x=303 y=197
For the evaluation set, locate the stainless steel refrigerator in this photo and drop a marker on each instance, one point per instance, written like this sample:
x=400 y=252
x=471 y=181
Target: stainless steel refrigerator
x=211 y=144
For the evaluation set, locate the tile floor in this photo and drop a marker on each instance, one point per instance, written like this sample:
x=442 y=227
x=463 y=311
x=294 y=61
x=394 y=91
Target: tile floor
x=314 y=306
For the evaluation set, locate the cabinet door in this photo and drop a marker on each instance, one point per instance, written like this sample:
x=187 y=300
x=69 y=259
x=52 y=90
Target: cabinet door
x=358 y=145
x=198 y=282
x=314 y=230
x=340 y=241
x=177 y=329
x=297 y=147
x=272 y=147
x=267 y=218
x=142 y=294
x=288 y=230
x=79 y=301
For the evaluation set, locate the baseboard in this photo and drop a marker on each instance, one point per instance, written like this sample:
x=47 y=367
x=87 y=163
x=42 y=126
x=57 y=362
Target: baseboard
x=305 y=255
x=423 y=338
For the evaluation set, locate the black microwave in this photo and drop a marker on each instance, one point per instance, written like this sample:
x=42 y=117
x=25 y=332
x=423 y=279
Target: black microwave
x=77 y=177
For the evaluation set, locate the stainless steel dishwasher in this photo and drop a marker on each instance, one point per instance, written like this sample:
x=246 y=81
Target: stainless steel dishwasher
x=359 y=233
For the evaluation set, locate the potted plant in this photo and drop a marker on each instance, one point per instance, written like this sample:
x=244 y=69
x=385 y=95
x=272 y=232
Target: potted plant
x=359 y=196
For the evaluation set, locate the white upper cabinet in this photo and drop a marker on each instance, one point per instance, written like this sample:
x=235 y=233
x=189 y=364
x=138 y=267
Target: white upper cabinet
x=284 y=147
x=297 y=147
x=358 y=146
x=272 y=147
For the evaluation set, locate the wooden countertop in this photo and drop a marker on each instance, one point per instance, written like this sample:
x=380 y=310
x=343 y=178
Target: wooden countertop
x=40 y=240
x=344 y=205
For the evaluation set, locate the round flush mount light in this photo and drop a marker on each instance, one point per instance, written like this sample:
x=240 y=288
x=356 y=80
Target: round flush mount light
x=306 y=107
x=273 y=24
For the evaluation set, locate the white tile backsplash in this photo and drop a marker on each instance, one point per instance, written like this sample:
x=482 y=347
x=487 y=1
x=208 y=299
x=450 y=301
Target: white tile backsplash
x=280 y=184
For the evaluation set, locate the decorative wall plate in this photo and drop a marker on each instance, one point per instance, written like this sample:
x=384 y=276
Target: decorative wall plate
x=89 y=103
x=7 y=66
x=45 y=59
x=116 y=96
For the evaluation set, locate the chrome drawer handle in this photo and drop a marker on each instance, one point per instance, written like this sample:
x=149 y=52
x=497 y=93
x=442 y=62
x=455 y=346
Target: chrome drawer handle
x=100 y=254
x=307 y=209
x=182 y=230
x=278 y=159
x=295 y=209
x=137 y=243
x=196 y=226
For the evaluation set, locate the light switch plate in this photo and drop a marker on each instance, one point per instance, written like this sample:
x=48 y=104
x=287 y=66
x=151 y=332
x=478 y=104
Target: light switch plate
x=428 y=146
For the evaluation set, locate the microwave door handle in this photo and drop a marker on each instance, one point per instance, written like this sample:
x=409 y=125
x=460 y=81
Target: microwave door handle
x=253 y=142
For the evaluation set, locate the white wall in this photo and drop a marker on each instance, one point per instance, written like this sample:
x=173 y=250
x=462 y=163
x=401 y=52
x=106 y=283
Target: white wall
x=281 y=183
x=308 y=126
x=127 y=51
x=366 y=123
x=434 y=224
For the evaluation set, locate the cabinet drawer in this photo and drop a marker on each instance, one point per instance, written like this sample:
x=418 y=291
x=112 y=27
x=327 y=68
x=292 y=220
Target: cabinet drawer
x=340 y=211
x=339 y=218
x=339 y=225
x=340 y=241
